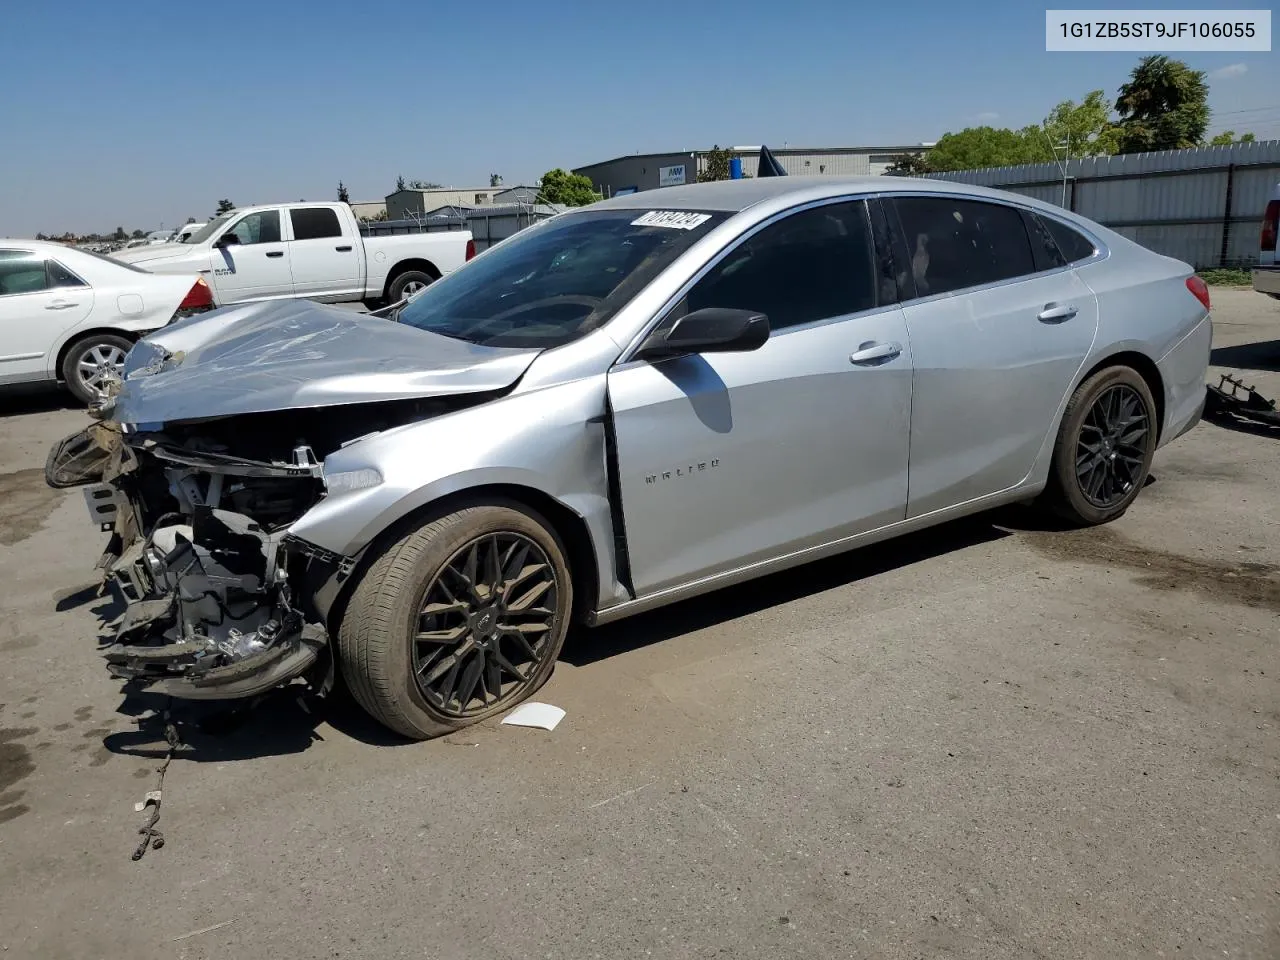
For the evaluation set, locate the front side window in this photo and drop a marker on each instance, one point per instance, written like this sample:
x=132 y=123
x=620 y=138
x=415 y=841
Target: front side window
x=22 y=272
x=260 y=227
x=812 y=265
x=956 y=243
x=314 y=223
x=559 y=279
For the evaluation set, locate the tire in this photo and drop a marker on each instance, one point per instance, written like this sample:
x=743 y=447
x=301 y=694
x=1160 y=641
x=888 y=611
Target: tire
x=408 y=282
x=1098 y=436
x=381 y=659
x=105 y=353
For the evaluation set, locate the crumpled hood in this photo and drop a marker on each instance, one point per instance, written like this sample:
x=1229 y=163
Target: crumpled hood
x=292 y=354
x=159 y=251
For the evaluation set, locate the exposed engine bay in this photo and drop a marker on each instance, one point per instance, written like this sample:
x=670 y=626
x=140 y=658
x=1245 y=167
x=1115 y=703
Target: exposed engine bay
x=218 y=598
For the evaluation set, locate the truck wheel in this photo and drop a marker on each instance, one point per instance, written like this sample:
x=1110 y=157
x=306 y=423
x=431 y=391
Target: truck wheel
x=457 y=621
x=409 y=283
x=1104 y=450
x=92 y=362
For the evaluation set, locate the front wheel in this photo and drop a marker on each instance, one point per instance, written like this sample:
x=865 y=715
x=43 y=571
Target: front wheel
x=459 y=620
x=1104 y=449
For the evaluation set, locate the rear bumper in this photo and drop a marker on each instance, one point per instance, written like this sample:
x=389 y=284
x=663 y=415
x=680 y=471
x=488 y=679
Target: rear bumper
x=1183 y=370
x=1267 y=280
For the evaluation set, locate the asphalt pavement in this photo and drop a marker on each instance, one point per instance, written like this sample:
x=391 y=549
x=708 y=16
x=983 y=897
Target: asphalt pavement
x=988 y=740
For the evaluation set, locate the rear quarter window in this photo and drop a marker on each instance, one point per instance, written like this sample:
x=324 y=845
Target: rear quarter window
x=1075 y=246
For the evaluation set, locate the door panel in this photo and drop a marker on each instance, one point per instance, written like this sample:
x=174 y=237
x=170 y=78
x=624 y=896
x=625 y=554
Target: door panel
x=35 y=310
x=728 y=459
x=324 y=262
x=257 y=268
x=989 y=376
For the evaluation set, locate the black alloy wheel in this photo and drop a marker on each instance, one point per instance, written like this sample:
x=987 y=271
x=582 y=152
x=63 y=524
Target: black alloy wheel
x=485 y=625
x=1111 y=446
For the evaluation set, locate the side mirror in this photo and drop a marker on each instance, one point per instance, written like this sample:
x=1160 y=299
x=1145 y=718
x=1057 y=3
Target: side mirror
x=227 y=240
x=709 y=330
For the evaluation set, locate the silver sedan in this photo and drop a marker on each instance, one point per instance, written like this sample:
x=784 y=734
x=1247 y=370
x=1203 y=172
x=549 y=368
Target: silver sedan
x=623 y=406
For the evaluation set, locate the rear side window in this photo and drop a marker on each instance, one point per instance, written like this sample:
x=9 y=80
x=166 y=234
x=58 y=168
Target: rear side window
x=955 y=243
x=812 y=265
x=314 y=223
x=21 y=272
x=1073 y=244
x=1043 y=246
x=60 y=276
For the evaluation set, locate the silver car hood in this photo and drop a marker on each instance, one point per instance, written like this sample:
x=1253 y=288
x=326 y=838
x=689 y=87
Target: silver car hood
x=291 y=354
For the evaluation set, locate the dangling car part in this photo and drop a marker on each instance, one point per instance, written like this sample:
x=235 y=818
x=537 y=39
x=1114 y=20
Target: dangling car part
x=612 y=410
x=1231 y=398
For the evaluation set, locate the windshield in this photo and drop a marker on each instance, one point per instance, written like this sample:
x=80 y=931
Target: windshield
x=205 y=232
x=558 y=280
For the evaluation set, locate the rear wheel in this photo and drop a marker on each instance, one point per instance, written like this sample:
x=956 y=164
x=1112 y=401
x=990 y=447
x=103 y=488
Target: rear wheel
x=408 y=283
x=92 y=363
x=1104 y=449
x=459 y=620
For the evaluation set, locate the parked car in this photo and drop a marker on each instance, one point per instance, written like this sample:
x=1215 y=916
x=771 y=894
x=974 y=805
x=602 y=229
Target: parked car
x=311 y=250
x=620 y=407
x=72 y=315
x=1266 y=275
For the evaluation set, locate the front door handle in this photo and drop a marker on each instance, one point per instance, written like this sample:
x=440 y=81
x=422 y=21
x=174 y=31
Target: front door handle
x=871 y=353
x=275 y=253
x=1056 y=312
x=346 y=249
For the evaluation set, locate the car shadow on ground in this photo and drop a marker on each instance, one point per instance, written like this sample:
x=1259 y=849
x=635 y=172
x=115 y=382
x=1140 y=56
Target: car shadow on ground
x=18 y=401
x=1262 y=356
x=286 y=721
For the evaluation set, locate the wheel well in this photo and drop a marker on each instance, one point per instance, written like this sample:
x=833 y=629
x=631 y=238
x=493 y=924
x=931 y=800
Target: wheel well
x=1146 y=368
x=84 y=335
x=567 y=525
x=426 y=266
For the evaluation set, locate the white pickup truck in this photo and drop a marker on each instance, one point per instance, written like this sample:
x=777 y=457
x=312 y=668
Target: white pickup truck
x=310 y=250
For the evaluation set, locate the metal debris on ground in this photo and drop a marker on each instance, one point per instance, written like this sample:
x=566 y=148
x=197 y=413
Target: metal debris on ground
x=151 y=837
x=1232 y=398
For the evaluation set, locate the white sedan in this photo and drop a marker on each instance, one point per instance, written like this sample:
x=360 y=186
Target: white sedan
x=71 y=316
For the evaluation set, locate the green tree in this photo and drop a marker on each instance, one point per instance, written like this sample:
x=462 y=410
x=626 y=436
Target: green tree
x=224 y=206
x=120 y=234
x=399 y=184
x=976 y=147
x=495 y=179
x=570 y=189
x=343 y=196
x=138 y=234
x=907 y=165
x=1228 y=137
x=1085 y=127
x=424 y=185
x=715 y=165
x=1164 y=106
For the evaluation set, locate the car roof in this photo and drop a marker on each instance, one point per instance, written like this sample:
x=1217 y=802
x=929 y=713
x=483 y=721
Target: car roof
x=735 y=195
x=36 y=246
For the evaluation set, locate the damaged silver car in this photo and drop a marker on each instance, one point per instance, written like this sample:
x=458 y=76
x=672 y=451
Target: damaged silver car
x=620 y=407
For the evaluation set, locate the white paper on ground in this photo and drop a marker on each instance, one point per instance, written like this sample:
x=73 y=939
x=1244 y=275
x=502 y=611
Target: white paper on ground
x=535 y=714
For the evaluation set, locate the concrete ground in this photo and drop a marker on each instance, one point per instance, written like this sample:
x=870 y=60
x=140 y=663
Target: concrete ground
x=985 y=741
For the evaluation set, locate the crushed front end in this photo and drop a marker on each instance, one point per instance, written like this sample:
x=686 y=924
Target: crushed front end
x=216 y=597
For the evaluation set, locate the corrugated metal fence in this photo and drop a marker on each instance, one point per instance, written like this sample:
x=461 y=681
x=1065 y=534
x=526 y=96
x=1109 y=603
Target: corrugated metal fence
x=1203 y=205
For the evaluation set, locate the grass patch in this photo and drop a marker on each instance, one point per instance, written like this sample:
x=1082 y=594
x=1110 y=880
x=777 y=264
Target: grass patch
x=1226 y=278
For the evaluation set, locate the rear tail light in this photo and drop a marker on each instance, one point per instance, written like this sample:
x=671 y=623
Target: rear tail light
x=1267 y=239
x=471 y=248
x=1199 y=289
x=198 y=296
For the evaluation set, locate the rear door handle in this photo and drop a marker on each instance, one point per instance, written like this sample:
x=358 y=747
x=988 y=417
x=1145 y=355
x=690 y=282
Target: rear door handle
x=871 y=353
x=1056 y=312
x=346 y=249
x=60 y=305
x=275 y=253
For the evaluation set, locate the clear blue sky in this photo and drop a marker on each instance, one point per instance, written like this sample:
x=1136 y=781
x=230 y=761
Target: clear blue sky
x=140 y=112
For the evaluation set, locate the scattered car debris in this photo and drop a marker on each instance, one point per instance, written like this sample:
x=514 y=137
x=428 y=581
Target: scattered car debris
x=534 y=714
x=151 y=837
x=1231 y=398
